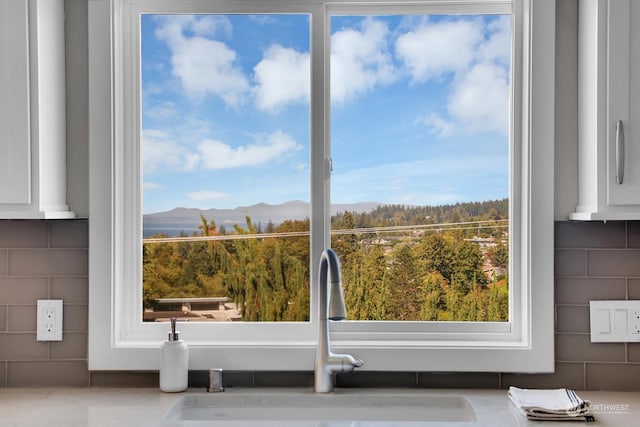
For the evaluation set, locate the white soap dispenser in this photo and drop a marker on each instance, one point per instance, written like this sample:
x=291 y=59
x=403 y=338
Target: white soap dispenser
x=174 y=362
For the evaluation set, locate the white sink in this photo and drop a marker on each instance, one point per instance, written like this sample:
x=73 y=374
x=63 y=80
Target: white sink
x=352 y=409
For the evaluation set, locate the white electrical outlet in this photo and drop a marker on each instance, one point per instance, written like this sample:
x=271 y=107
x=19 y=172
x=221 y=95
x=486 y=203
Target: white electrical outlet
x=615 y=321
x=635 y=322
x=49 y=320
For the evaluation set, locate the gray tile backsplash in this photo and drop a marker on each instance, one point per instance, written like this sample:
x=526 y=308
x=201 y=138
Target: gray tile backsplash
x=633 y=288
x=48 y=262
x=49 y=259
x=623 y=376
x=58 y=373
x=3 y=318
x=633 y=234
x=570 y=263
x=613 y=262
x=581 y=235
x=567 y=374
x=4 y=258
x=581 y=290
x=43 y=260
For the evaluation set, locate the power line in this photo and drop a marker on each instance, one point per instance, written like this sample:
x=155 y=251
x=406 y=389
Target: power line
x=501 y=223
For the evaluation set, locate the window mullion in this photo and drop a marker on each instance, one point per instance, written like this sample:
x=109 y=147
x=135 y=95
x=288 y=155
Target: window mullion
x=320 y=218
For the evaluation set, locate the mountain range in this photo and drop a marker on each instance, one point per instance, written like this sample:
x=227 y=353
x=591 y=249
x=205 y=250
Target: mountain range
x=189 y=218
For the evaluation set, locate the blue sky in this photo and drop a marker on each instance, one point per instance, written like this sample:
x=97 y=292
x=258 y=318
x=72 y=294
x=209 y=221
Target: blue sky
x=419 y=109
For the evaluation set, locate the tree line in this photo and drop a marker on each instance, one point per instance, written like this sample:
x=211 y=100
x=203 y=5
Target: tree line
x=438 y=275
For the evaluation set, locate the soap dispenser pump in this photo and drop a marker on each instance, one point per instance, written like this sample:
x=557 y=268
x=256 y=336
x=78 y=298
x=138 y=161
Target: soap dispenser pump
x=174 y=363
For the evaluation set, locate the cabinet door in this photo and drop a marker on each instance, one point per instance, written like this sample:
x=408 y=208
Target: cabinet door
x=15 y=153
x=623 y=174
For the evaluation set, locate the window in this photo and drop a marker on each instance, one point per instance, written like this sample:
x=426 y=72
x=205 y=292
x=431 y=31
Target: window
x=118 y=337
x=225 y=127
x=419 y=145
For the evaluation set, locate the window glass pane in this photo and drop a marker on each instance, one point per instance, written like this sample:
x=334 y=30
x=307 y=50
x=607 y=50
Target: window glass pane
x=225 y=167
x=420 y=119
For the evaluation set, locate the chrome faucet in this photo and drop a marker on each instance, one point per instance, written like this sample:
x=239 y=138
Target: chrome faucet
x=330 y=307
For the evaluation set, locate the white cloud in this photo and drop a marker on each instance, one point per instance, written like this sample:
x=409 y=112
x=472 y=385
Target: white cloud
x=437 y=125
x=209 y=25
x=203 y=66
x=161 y=151
x=207 y=195
x=480 y=102
x=161 y=110
x=437 y=48
x=146 y=185
x=283 y=77
x=218 y=155
x=360 y=60
x=497 y=47
x=476 y=56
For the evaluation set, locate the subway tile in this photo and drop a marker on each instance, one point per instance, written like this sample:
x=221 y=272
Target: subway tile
x=200 y=379
x=613 y=376
x=611 y=234
x=634 y=288
x=572 y=319
x=582 y=290
x=72 y=290
x=124 y=379
x=22 y=318
x=621 y=263
x=49 y=262
x=633 y=352
x=72 y=346
x=238 y=378
x=75 y=318
x=376 y=379
x=3 y=379
x=579 y=348
x=570 y=262
x=50 y=373
x=3 y=318
x=22 y=347
x=633 y=234
x=4 y=262
x=23 y=290
x=283 y=379
x=23 y=234
x=490 y=380
x=69 y=234
x=566 y=375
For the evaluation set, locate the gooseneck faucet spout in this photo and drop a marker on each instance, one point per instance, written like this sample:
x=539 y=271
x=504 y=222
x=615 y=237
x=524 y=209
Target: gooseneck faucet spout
x=330 y=307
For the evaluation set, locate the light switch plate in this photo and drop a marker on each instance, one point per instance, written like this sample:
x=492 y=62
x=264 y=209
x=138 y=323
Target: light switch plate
x=615 y=321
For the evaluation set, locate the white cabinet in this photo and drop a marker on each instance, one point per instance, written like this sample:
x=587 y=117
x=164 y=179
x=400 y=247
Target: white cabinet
x=32 y=110
x=608 y=110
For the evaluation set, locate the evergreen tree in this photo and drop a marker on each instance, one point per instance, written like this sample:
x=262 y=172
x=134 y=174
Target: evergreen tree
x=434 y=296
x=406 y=297
x=436 y=254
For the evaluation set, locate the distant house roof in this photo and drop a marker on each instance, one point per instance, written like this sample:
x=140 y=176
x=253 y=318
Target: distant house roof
x=211 y=309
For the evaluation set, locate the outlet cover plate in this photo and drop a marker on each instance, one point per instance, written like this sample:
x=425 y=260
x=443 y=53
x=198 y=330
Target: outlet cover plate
x=49 y=320
x=615 y=321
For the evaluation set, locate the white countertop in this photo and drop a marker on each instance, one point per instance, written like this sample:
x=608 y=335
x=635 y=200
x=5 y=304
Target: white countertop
x=101 y=407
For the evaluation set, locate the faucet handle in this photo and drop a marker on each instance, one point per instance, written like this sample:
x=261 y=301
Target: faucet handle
x=346 y=363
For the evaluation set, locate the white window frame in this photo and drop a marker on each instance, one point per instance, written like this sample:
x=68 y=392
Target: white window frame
x=118 y=340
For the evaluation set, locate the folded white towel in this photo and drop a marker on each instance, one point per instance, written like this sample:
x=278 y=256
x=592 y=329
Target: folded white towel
x=555 y=404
